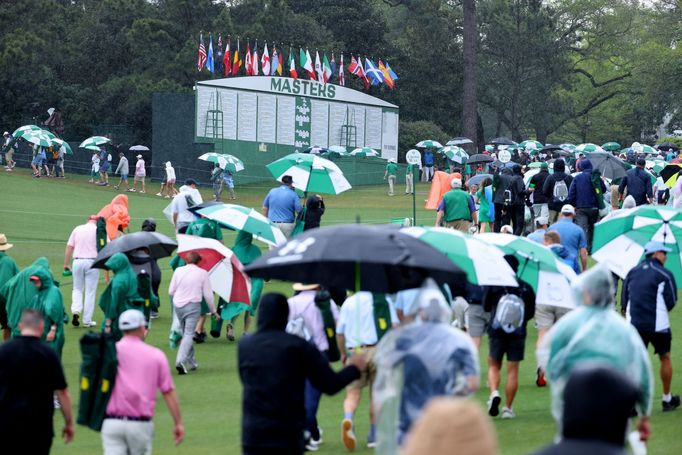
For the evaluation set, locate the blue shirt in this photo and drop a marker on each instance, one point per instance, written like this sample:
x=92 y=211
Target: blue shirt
x=538 y=236
x=572 y=238
x=282 y=204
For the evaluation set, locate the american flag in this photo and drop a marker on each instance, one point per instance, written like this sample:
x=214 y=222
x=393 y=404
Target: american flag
x=202 y=57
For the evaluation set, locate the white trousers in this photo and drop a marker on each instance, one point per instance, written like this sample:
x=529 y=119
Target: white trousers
x=123 y=437
x=85 y=281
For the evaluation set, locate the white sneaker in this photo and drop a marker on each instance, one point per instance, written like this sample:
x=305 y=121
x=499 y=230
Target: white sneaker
x=159 y=194
x=90 y=324
x=494 y=404
x=508 y=413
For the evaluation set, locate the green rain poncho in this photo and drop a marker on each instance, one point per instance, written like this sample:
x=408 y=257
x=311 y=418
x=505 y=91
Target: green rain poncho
x=246 y=252
x=49 y=301
x=8 y=268
x=17 y=294
x=121 y=293
x=206 y=228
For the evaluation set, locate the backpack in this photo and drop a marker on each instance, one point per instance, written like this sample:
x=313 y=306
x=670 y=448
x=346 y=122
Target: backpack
x=509 y=314
x=55 y=154
x=296 y=326
x=508 y=197
x=560 y=191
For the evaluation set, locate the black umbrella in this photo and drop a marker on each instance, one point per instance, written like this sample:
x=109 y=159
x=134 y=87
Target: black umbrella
x=551 y=148
x=480 y=158
x=670 y=174
x=562 y=152
x=159 y=246
x=502 y=141
x=667 y=146
x=460 y=140
x=359 y=257
x=610 y=167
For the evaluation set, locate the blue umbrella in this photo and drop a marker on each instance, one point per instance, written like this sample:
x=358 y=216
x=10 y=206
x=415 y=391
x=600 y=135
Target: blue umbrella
x=478 y=178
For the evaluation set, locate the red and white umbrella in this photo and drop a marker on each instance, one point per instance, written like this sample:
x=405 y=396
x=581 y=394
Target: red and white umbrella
x=226 y=273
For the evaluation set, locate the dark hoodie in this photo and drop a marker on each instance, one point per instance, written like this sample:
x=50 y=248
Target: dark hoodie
x=273 y=367
x=501 y=183
x=581 y=193
x=559 y=175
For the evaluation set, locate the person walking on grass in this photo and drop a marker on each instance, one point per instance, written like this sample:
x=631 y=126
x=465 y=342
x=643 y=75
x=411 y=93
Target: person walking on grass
x=170 y=181
x=486 y=209
x=585 y=194
x=121 y=293
x=30 y=377
x=573 y=238
x=142 y=370
x=217 y=181
x=82 y=247
x=556 y=188
x=140 y=175
x=17 y=295
x=9 y=151
x=228 y=182
x=189 y=285
x=8 y=267
x=649 y=294
x=409 y=178
x=457 y=208
x=391 y=174
x=50 y=303
x=637 y=184
x=94 y=168
x=123 y=169
x=281 y=206
x=104 y=166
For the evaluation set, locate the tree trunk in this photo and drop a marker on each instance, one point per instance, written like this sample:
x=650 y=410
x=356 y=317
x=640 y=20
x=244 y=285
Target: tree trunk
x=470 y=37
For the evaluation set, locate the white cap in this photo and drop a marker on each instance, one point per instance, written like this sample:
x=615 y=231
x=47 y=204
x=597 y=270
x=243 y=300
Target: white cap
x=456 y=183
x=568 y=209
x=131 y=320
x=139 y=156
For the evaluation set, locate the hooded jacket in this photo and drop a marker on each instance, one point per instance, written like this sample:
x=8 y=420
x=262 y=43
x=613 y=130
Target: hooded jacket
x=638 y=185
x=121 y=293
x=17 y=294
x=314 y=209
x=581 y=193
x=116 y=215
x=50 y=302
x=548 y=187
x=273 y=368
x=501 y=183
x=649 y=293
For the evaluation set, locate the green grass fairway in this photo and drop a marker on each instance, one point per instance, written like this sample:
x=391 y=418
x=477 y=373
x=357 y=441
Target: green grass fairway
x=38 y=215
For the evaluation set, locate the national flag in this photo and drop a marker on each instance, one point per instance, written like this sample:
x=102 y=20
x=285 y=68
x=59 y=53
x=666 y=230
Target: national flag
x=275 y=61
x=342 y=77
x=219 y=56
x=318 y=67
x=388 y=80
x=332 y=67
x=201 y=58
x=292 y=65
x=254 y=60
x=280 y=59
x=227 y=64
x=373 y=72
x=265 y=61
x=236 y=61
x=209 y=61
x=307 y=64
x=355 y=67
x=326 y=69
x=247 y=60
x=390 y=71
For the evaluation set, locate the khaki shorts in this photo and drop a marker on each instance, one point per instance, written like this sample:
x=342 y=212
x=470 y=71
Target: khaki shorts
x=459 y=225
x=139 y=178
x=547 y=315
x=368 y=374
x=477 y=320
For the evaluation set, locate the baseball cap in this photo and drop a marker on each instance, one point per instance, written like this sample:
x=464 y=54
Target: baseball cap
x=653 y=247
x=131 y=320
x=6 y=133
x=641 y=162
x=190 y=181
x=456 y=183
x=541 y=220
x=568 y=209
x=139 y=156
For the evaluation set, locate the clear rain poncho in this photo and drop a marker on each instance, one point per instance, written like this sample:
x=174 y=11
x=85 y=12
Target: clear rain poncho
x=417 y=362
x=595 y=334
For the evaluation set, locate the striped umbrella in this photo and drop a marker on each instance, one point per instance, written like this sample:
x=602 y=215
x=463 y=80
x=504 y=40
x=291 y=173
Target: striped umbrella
x=530 y=145
x=643 y=148
x=429 y=144
x=619 y=241
x=233 y=216
x=315 y=150
x=225 y=161
x=93 y=147
x=63 y=145
x=549 y=276
x=588 y=148
x=655 y=166
x=568 y=147
x=460 y=140
x=611 y=146
x=19 y=132
x=95 y=140
x=364 y=151
x=483 y=263
x=454 y=153
x=38 y=137
x=670 y=174
x=310 y=173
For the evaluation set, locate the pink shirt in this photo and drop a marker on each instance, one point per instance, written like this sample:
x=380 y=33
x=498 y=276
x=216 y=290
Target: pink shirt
x=189 y=284
x=142 y=370
x=303 y=305
x=139 y=168
x=83 y=239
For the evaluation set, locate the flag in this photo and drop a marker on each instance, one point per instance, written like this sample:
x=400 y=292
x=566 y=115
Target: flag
x=209 y=61
x=247 y=60
x=342 y=78
x=219 y=56
x=292 y=65
x=318 y=67
x=227 y=64
x=355 y=67
x=275 y=61
x=236 y=62
x=388 y=80
x=373 y=72
x=362 y=74
x=390 y=71
x=201 y=58
x=280 y=59
x=326 y=69
x=307 y=64
x=254 y=60
x=265 y=61
x=332 y=67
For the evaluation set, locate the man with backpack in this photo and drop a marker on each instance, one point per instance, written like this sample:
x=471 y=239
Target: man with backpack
x=540 y=201
x=638 y=184
x=586 y=194
x=556 y=188
x=502 y=198
x=510 y=309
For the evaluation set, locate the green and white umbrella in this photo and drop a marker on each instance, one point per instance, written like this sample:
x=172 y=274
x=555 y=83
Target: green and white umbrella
x=454 y=153
x=364 y=151
x=656 y=166
x=340 y=149
x=38 y=137
x=95 y=140
x=94 y=148
x=429 y=144
x=568 y=147
x=619 y=241
x=310 y=173
x=530 y=145
x=588 y=148
x=19 y=132
x=233 y=216
x=643 y=148
x=549 y=276
x=611 y=146
x=63 y=145
x=483 y=263
x=225 y=161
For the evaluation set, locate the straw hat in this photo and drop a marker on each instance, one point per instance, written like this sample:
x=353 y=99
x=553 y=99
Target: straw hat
x=304 y=287
x=4 y=246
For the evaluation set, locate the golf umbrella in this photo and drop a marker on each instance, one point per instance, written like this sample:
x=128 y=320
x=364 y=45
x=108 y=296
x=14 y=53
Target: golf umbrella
x=340 y=149
x=139 y=148
x=429 y=144
x=38 y=137
x=364 y=151
x=568 y=147
x=480 y=158
x=643 y=148
x=619 y=241
x=670 y=173
x=587 y=148
x=225 y=161
x=667 y=146
x=478 y=178
x=159 y=245
x=549 y=276
x=530 y=145
x=502 y=141
x=92 y=147
x=483 y=263
x=315 y=150
x=95 y=140
x=611 y=146
x=359 y=257
x=530 y=174
x=63 y=145
x=459 y=141
x=551 y=148
x=609 y=166
x=225 y=272
x=19 y=132
x=233 y=216
x=655 y=166
x=454 y=153
x=310 y=173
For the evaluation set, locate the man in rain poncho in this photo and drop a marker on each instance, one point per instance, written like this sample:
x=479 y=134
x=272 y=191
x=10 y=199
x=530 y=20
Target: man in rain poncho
x=121 y=293
x=595 y=334
x=417 y=362
x=50 y=303
x=17 y=294
x=116 y=215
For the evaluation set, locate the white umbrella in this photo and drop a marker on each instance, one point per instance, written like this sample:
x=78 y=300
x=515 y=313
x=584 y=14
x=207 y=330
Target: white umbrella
x=139 y=148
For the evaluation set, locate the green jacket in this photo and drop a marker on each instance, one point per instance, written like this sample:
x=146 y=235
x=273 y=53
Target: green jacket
x=49 y=301
x=8 y=268
x=121 y=293
x=17 y=294
x=457 y=205
x=206 y=228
